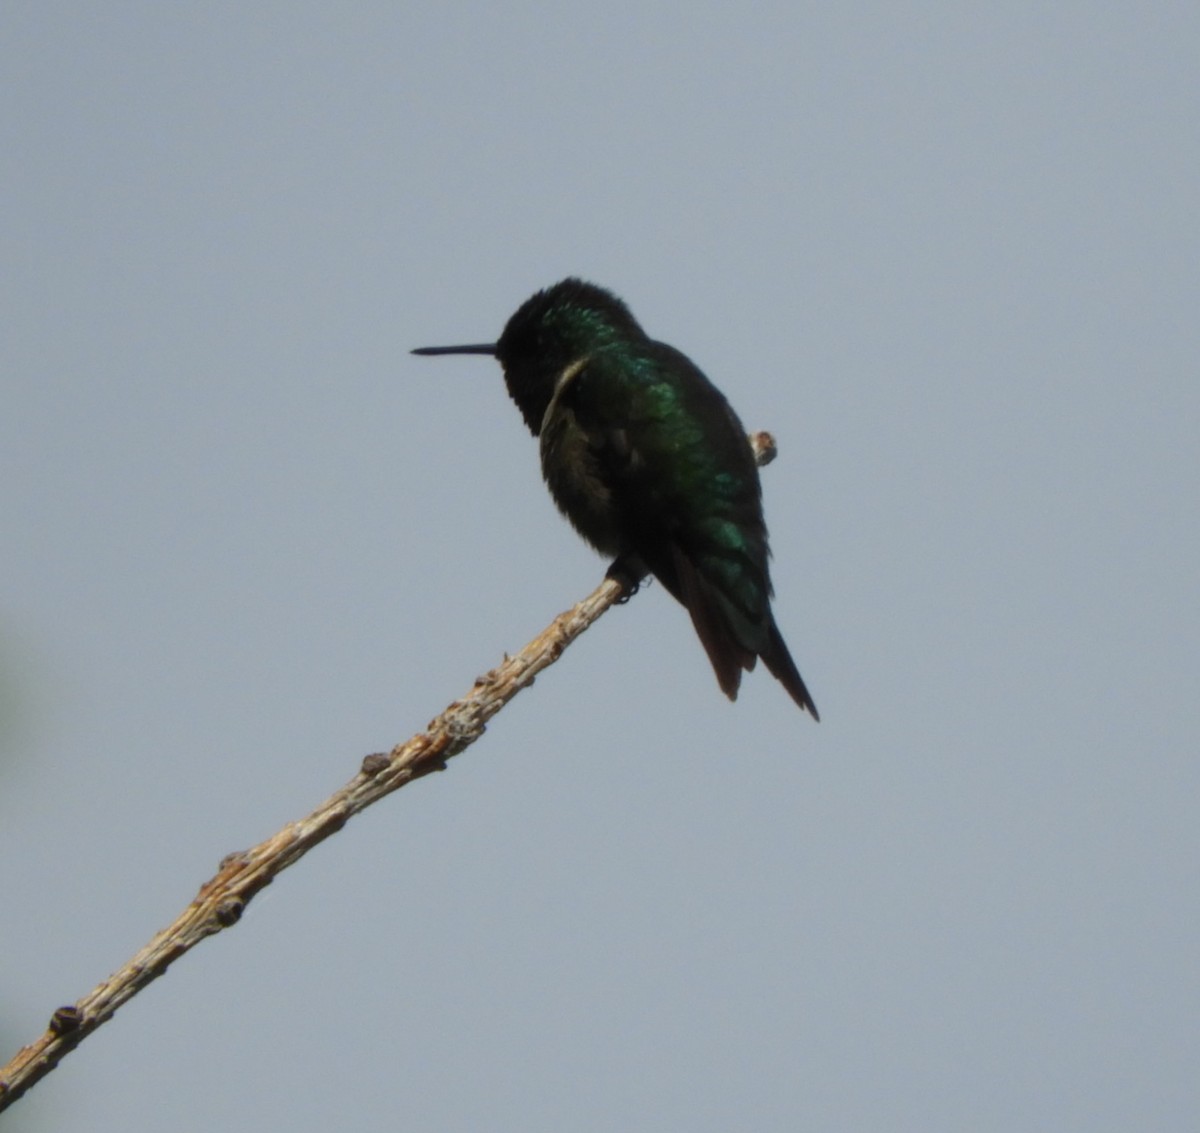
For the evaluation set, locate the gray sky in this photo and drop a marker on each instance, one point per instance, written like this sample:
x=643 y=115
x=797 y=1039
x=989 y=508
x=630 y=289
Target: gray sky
x=947 y=253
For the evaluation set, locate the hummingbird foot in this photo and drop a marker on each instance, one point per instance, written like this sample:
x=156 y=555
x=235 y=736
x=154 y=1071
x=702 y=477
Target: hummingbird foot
x=628 y=571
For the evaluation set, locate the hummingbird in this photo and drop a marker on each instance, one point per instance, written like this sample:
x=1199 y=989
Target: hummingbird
x=649 y=462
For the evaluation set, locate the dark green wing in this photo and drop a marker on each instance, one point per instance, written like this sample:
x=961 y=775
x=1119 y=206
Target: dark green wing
x=684 y=482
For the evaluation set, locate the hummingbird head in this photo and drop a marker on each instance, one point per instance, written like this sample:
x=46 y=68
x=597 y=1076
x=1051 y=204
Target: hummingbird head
x=550 y=330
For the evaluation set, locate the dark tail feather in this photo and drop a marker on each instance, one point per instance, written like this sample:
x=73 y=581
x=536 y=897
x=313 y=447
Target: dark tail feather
x=728 y=658
x=715 y=619
x=780 y=665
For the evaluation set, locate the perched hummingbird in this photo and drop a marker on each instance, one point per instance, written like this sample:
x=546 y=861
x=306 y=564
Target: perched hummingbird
x=643 y=454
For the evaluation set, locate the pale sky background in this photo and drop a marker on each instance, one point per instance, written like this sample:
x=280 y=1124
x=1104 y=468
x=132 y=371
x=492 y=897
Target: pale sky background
x=948 y=253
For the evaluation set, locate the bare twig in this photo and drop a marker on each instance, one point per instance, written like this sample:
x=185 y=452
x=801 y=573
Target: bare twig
x=222 y=898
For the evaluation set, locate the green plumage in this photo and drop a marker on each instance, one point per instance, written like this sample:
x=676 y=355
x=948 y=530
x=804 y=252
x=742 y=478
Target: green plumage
x=649 y=462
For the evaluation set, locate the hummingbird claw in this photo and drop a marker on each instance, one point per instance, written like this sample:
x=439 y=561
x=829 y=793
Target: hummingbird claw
x=628 y=572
